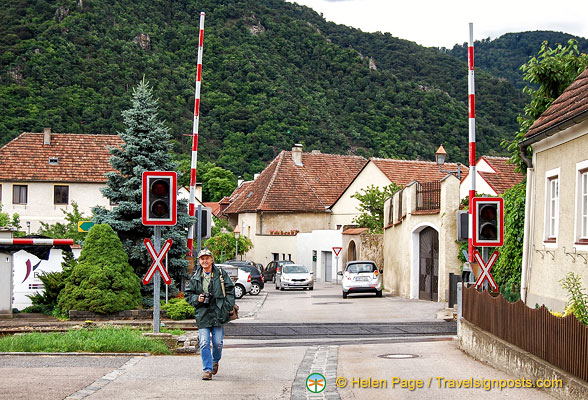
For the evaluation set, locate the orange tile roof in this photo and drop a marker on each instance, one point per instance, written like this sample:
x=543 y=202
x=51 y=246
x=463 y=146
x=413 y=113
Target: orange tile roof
x=81 y=158
x=214 y=206
x=285 y=187
x=505 y=176
x=354 y=231
x=572 y=102
x=402 y=172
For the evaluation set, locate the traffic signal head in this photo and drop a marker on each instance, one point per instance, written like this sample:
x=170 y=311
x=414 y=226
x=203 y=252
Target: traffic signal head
x=488 y=221
x=159 y=198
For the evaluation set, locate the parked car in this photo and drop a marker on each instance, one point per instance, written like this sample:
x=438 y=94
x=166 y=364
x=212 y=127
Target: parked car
x=294 y=276
x=256 y=276
x=269 y=274
x=241 y=278
x=361 y=277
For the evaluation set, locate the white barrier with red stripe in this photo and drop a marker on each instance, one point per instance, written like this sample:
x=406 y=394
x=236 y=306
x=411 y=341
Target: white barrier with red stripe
x=472 y=137
x=192 y=204
x=41 y=242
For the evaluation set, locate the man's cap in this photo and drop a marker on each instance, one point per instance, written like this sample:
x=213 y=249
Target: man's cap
x=205 y=252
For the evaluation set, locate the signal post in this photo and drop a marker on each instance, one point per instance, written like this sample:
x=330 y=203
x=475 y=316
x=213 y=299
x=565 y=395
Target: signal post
x=158 y=209
x=488 y=231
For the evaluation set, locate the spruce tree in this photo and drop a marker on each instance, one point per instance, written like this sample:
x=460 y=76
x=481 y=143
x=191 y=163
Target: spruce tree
x=146 y=147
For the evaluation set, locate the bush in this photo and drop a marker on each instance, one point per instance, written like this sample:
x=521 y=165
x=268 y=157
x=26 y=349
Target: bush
x=103 y=281
x=177 y=309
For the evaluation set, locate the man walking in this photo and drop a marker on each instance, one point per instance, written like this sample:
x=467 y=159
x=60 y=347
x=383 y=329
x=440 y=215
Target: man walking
x=212 y=304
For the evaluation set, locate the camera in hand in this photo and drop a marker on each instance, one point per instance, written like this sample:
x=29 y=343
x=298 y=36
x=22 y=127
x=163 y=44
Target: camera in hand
x=207 y=298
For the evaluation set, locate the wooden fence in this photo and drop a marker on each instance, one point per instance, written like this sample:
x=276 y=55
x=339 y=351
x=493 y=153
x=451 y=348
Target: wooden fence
x=562 y=342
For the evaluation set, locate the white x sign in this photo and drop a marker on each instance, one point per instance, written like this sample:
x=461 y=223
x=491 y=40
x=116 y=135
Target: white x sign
x=485 y=275
x=157 y=265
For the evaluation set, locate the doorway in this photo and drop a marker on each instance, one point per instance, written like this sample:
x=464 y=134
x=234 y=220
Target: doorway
x=428 y=264
x=327 y=265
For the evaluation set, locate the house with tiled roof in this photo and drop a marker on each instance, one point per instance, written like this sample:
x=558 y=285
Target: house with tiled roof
x=43 y=173
x=556 y=210
x=294 y=194
x=494 y=176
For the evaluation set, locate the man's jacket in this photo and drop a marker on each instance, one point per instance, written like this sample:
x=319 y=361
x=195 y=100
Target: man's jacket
x=217 y=312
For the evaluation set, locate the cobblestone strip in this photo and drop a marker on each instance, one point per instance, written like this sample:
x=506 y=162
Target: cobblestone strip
x=323 y=360
x=105 y=380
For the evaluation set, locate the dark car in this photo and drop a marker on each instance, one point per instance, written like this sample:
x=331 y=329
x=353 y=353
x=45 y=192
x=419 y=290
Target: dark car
x=256 y=276
x=273 y=267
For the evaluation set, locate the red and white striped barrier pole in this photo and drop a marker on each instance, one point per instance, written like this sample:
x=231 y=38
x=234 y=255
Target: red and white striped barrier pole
x=192 y=204
x=472 y=138
x=41 y=242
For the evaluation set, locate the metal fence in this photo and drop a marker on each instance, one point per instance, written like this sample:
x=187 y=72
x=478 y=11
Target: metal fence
x=562 y=342
x=428 y=196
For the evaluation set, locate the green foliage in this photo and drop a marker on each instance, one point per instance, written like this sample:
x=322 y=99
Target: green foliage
x=553 y=70
x=220 y=225
x=68 y=230
x=372 y=206
x=577 y=298
x=98 y=340
x=8 y=221
x=178 y=309
x=216 y=182
x=299 y=79
x=146 y=147
x=507 y=270
x=103 y=280
x=53 y=283
x=223 y=244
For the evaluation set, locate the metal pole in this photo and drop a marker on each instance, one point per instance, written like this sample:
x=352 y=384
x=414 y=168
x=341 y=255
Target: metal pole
x=472 y=137
x=190 y=243
x=236 y=248
x=156 y=281
x=199 y=228
x=166 y=285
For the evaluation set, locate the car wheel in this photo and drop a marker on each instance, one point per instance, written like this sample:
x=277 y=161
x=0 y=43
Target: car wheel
x=378 y=293
x=255 y=289
x=239 y=291
x=311 y=288
x=344 y=295
x=281 y=288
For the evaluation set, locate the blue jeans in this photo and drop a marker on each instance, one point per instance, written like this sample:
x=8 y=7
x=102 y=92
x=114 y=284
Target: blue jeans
x=204 y=334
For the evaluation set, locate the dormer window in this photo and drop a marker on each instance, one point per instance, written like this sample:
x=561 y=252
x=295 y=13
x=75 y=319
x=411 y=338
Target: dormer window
x=53 y=160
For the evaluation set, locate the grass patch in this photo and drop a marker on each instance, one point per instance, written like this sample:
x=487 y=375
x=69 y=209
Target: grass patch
x=96 y=340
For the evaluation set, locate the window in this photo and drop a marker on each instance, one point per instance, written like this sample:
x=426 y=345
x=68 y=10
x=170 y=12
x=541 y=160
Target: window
x=19 y=194
x=60 y=194
x=552 y=207
x=583 y=206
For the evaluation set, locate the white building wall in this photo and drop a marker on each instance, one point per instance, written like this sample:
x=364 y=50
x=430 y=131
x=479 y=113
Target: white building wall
x=321 y=242
x=41 y=208
x=482 y=187
x=347 y=207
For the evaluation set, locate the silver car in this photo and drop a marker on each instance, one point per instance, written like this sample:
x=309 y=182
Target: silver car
x=361 y=277
x=294 y=276
x=241 y=278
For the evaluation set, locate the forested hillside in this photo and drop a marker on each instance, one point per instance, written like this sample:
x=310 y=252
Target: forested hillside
x=504 y=55
x=274 y=74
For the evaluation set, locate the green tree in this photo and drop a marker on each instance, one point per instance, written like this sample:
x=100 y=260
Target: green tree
x=507 y=270
x=8 y=221
x=103 y=281
x=146 y=147
x=372 y=206
x=222 y=246
x=68 y=230
x=549 y=73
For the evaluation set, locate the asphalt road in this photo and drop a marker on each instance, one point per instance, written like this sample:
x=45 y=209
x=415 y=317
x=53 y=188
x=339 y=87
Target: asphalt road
x=272 y=350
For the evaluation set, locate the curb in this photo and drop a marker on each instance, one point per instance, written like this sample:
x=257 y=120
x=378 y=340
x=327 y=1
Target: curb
x=24 y=353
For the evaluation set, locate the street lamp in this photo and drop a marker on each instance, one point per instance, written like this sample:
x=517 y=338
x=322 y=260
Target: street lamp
x=237 y=233
x=440 y=156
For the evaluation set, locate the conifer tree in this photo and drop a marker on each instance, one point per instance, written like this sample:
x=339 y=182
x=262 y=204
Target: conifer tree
x=146 y=147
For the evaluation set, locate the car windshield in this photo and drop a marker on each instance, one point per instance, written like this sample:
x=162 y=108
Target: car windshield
x=295 y=269
x=357 y=268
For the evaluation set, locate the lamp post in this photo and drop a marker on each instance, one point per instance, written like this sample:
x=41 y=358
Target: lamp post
x=237 y=233
x=440 y=156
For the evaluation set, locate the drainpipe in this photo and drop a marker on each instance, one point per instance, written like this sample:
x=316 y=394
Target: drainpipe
x=528 y=234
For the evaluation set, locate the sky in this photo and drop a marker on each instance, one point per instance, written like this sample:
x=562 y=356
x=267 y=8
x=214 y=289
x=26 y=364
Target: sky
x=446 y=23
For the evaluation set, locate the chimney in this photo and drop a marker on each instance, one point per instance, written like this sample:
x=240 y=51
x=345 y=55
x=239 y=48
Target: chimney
x=46 y=135
x=297 y=154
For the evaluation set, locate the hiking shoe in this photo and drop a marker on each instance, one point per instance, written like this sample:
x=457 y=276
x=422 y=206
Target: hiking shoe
x=214 y=368
x=207 y=376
